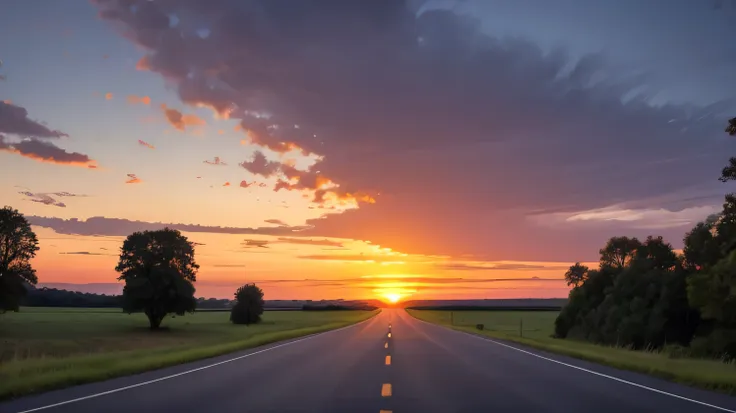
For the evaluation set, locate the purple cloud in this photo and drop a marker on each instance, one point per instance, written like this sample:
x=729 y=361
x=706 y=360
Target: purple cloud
x=464 y=135
x=14 y=121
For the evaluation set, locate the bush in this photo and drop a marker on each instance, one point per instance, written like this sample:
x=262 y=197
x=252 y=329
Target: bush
x=248 y=306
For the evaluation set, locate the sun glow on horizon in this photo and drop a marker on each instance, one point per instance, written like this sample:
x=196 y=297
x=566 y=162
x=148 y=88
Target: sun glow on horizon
x=393 y=297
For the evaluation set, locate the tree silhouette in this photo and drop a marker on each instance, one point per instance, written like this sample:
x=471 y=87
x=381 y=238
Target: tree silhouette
x=576 y=274
x=18 y=244
x=159 y=270
x=248 y=305
x=618 y=252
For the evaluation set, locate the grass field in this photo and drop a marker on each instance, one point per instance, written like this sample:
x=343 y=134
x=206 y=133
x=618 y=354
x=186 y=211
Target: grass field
x=539 y=325
x=44 y=348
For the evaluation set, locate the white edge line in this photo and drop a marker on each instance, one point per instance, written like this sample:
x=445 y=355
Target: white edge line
x=144 y=383
x=630 y=383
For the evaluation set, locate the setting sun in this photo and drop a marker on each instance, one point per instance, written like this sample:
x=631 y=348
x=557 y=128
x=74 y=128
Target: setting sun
x=393 y=297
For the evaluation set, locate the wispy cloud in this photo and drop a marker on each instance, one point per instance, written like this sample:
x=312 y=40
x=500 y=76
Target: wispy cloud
x=49 y=198
x=216 y=161
x=255 y=243
x=134 y=100
x=229 y=265
x=309 y=241
x=276 y=222
x=102 y=226
x=245 y=184
x=133 y=179
x=45 y=199
x=146 y=144
x=84 y=253
x=226 y=184
x=108 y=96
x=461 y=266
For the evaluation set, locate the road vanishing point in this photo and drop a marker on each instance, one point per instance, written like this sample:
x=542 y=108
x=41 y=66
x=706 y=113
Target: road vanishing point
x=391 y=363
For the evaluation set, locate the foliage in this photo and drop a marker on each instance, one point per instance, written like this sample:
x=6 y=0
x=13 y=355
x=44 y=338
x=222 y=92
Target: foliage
x=52 y=297
x=576 y=274
x=159 y=270
x=248 y=306
x=637 y=298
x=645 y=295
x=618 y=252
x=18 y=244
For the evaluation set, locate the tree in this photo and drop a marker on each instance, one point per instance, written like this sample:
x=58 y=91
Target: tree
x=248 y=305
x=18 y=244
x=618 y=252
x=576 y=274
x=729 y=172
x=701 y=245
x=159 y=270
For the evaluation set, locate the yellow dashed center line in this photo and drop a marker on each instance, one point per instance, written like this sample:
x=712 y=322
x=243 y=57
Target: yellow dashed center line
x=388 y=360
x=389 y=335
x=385 y=345
x=386 y=390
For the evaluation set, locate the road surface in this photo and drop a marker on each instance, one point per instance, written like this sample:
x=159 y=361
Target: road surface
x=419 y=368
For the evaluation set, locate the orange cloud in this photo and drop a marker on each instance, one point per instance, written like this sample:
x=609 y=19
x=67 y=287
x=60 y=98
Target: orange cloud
x=220 y=132
x=226 y=184
x=133 y=100
x=7 y=101
x=244 y=184
x=179 y=120
x=133 y=179
x=143 y=64
x=108 y=96
x=146 y=144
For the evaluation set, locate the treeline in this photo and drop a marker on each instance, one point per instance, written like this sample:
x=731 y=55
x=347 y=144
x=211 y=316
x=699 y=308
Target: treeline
x=52 y=297
x=644 y=295
x=338 y=307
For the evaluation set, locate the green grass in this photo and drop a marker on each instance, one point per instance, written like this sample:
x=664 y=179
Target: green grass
x=43 y=349
x=539 y=325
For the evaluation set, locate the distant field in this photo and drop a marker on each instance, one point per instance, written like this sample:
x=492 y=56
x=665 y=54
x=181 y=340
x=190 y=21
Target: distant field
x=538 y=327
x=45 y=348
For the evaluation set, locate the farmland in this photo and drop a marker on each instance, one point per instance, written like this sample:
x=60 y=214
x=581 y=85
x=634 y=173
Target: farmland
x=44 y=348
x=534 y=329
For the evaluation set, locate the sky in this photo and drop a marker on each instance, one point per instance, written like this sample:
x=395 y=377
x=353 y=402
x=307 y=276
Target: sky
x=353 y=149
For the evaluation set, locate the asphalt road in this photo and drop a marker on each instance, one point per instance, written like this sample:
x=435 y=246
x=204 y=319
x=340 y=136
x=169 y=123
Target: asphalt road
x=429 y=369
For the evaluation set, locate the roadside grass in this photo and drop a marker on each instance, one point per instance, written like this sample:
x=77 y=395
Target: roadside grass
x=538 y=327
x=43 y=349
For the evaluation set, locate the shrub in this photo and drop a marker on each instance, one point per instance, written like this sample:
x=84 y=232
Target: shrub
x=248 y=305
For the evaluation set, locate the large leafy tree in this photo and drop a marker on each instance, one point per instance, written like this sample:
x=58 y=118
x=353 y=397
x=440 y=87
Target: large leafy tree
x=159 y=270
x=618 y=252
x=248 y=305
x=576 y=274
x=18 y=244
